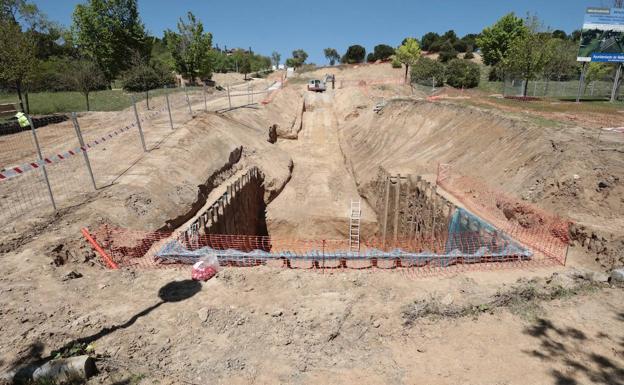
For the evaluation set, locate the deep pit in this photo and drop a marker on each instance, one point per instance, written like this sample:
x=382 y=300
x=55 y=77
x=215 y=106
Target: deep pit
x=404 y=221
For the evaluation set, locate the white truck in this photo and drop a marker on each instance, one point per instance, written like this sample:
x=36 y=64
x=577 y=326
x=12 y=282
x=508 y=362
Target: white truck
x=316 y=85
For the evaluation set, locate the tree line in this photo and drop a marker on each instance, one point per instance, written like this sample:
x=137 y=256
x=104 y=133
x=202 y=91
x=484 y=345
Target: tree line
x=107 y=43
x=513 y=47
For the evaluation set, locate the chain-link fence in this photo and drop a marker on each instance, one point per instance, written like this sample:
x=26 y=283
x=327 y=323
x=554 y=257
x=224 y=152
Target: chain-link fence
x=593 y=89
x=67 y=156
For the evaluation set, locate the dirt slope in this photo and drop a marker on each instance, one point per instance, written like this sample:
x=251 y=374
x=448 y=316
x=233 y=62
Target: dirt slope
x=564 y=169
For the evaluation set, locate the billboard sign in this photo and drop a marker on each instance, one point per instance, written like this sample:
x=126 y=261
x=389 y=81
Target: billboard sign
x=602 y=36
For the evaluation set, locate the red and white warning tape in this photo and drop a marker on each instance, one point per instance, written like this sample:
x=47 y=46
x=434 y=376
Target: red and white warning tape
x=19 y=170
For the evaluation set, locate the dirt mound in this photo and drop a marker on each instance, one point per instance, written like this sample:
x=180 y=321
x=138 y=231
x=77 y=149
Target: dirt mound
x=283 y=111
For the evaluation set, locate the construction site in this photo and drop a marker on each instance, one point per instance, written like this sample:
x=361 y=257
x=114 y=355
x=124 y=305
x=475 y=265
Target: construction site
x=370 y=233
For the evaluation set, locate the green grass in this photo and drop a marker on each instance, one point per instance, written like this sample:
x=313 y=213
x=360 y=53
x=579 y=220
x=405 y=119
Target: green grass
x=42 y=103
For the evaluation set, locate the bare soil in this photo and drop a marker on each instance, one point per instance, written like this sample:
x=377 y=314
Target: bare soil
x=263 y=325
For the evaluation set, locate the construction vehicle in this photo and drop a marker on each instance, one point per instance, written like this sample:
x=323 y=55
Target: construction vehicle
x=316 y=85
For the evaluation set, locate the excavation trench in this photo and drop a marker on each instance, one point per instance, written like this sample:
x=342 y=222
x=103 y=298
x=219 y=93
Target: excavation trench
x=419 y=228
x=403 y=221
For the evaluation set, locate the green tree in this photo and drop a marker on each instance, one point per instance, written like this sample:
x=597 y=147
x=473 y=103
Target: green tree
x=259 y=63
x=144 y=76
x=299 y=57
x=355 y=54
x=244 y=63
x=559 y=34
x=17 y=58
x=596 y=71
x=109 y=32
x=218 y=61
x=382 y=52
x=428 y=39
x=275 y=58
x=48 y=75
x=462 y=74
x=25 y=13
x=161 y=54
x=189 y=48
x=331 y=55
x=408 y=54
x=85 y=77
x=428 y=72
x=447 y=52
x=527 y=57
x=562 y=62
x=471 y=42
x=495 y=41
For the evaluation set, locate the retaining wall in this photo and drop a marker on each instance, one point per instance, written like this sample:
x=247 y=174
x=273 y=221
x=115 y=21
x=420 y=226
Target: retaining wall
x=241 y=210
x=408 y=206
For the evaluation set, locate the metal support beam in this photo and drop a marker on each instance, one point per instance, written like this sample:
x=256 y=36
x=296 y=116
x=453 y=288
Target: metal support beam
x=84 y=149
x=40 y=155
x=138 y=122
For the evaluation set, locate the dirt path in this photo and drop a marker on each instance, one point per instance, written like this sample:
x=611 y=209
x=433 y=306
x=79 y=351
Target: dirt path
x=315 y=203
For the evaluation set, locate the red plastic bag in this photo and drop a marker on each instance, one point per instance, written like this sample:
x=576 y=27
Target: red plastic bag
x=205 y=269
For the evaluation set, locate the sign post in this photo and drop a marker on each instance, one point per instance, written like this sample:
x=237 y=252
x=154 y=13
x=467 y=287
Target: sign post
x=602 y=41
x=581 y=82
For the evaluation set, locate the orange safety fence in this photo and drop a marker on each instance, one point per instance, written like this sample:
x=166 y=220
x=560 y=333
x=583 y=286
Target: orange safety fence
x=532 y=226
x=421 y=256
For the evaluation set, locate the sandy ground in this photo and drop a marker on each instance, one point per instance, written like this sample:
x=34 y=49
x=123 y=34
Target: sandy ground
x=316 y=202
x=266 y=325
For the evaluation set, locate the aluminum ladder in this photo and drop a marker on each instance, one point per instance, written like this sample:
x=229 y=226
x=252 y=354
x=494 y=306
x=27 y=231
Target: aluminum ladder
x=354 y=226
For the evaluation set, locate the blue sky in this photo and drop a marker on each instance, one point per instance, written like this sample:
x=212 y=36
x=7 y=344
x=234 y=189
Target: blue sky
x=313 y=25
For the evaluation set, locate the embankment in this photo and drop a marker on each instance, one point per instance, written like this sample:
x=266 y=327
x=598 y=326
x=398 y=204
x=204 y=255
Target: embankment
x=563 y=169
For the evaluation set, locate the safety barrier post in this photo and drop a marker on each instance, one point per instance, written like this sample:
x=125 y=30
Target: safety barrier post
x=581 y=83
x=138 y=121
x=188 y=101
x=397 y=203
x=386 y=202
x=229 y=98
x=168 y=107
x=84 y=149
x=40 y=155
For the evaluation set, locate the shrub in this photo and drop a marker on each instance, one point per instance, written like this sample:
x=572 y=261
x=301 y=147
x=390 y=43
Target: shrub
x=447 y=53
x=370 y=58
x=462 y=74
x=460 y=46
x=469 y=55
x=425 y=70
x=396 y=63
x=435 y=46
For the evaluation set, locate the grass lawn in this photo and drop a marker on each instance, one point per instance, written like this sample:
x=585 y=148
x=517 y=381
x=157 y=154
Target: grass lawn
x=42 y=103
x=563 y=105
